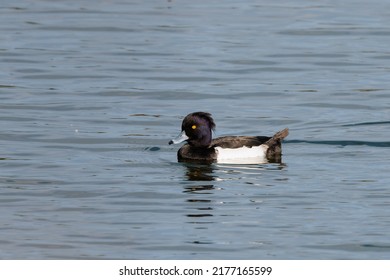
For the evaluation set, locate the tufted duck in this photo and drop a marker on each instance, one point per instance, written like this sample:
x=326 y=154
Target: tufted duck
x=197 y=131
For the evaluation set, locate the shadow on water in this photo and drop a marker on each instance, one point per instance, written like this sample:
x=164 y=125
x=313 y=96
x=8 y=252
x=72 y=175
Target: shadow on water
x=203 y=206
x=202 y=173
x=209 y=201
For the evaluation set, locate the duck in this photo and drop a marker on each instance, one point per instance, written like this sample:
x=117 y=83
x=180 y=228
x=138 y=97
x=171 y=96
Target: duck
x=197 y=131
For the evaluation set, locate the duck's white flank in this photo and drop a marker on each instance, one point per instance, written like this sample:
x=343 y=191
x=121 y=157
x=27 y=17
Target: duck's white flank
x=256 y=154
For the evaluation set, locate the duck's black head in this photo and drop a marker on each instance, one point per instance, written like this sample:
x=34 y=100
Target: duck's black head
x=196 y=130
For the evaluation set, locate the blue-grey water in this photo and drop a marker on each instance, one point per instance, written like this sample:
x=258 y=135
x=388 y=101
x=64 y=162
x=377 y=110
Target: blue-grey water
x=92 y=91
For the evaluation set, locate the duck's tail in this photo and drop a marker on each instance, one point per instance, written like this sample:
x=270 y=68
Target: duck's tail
x=277 y=138
x=274 y=151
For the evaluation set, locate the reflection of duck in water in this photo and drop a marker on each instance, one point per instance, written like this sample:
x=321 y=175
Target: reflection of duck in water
x=197 y=131
x=200 y=172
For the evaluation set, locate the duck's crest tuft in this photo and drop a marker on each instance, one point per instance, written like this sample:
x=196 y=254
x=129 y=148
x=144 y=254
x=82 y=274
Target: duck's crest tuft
x=206 y=116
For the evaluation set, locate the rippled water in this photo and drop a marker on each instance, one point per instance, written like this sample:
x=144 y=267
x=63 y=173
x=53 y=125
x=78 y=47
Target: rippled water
x=91 y=94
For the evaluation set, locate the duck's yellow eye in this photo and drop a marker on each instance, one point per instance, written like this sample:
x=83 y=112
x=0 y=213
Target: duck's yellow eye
x=193 y=127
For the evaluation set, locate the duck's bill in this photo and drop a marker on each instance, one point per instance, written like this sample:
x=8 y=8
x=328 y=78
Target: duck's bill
x=180 y=138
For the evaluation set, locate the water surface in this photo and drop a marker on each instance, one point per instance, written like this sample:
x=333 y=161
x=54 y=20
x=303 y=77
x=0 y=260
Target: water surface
x=91 y=94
